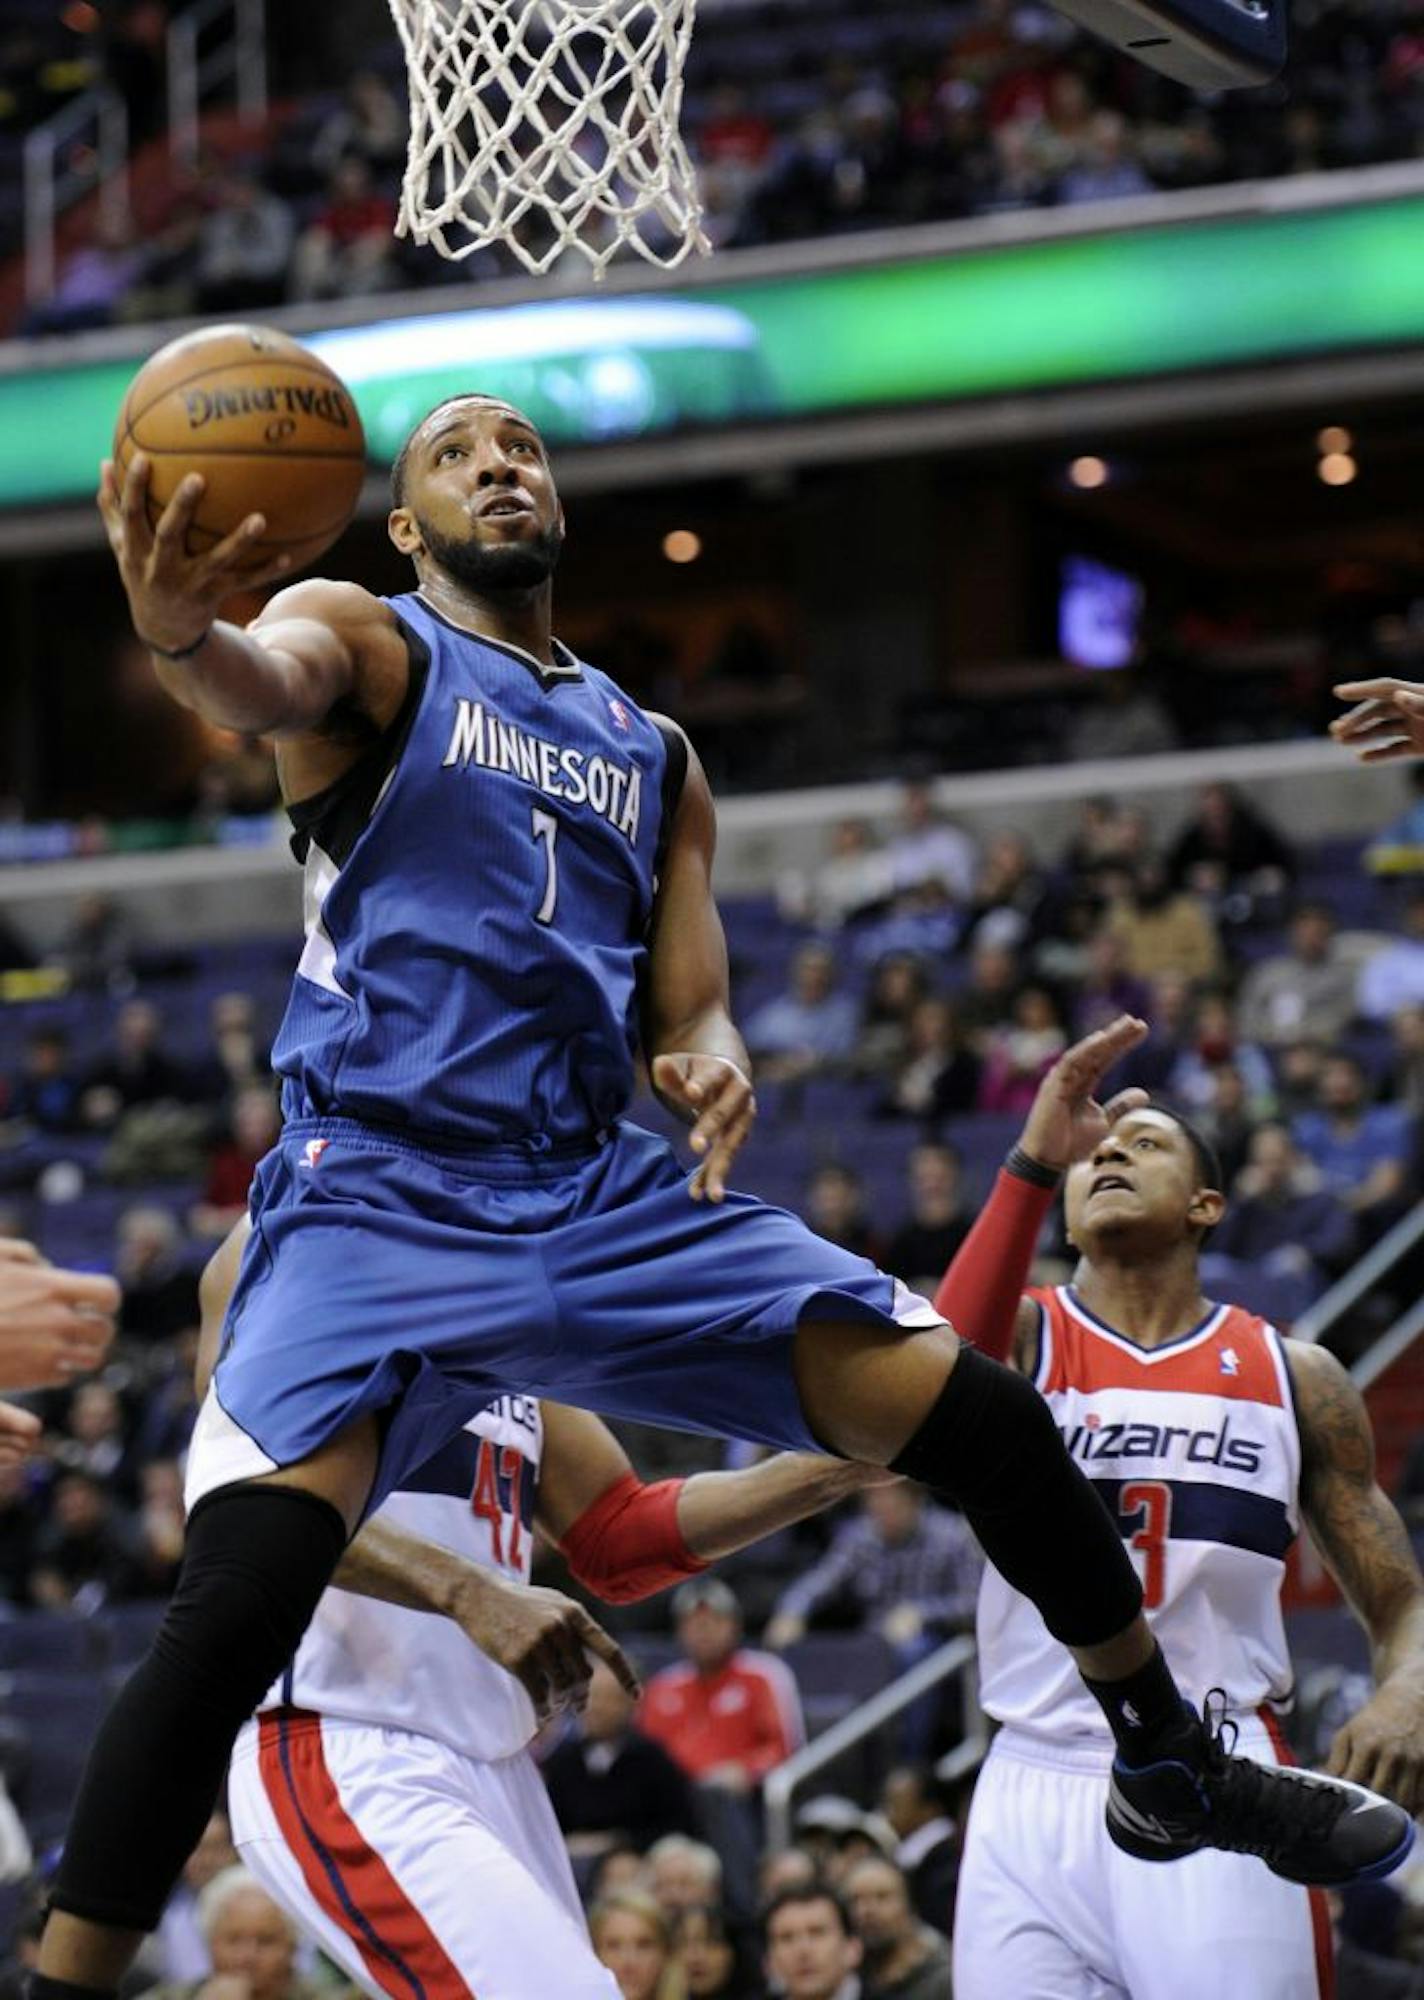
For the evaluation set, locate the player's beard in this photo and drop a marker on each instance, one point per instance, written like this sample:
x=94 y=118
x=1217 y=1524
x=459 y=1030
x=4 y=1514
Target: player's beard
x=490 y=568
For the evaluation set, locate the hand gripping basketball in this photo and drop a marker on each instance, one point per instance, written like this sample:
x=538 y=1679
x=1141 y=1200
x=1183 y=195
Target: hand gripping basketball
x=174 y=596
x=1066 y=1121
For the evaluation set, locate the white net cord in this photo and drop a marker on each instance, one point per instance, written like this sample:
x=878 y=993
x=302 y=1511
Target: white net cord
x=548 y=126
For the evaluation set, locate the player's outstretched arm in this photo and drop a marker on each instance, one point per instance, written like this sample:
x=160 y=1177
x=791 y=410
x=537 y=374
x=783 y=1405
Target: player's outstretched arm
x=624 y=1540
x=1386 y=721
x=1368 y=1551
x=981 y=1294
x=316 y=646
x=697 y=1061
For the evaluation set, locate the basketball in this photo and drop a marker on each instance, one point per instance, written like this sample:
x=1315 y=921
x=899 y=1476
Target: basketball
x=270 y=427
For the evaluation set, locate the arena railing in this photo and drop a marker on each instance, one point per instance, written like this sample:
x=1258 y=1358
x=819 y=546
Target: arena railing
x=238 y=57
x=956 y=1660
x=1347 y=1291
x=83 y=146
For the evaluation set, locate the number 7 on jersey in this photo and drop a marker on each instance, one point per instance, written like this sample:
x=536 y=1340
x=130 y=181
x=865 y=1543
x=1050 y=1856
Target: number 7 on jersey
x=546 y=828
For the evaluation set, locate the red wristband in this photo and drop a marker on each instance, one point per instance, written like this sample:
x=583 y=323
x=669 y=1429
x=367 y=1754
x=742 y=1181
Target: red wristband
x=628 y=1543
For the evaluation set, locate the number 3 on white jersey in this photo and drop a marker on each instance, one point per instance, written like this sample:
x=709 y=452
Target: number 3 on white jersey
x=546 y=828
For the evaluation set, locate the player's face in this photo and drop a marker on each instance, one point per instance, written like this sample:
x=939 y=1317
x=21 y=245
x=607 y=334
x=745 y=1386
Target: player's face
x=1141 y=1186
x=807 y=1951
x=480 y=494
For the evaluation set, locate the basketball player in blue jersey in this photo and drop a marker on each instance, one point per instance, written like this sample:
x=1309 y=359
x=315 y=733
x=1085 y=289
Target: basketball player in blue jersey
x=509 y=896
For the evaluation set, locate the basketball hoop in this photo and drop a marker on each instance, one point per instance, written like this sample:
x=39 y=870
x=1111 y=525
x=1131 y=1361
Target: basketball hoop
x=548 y=126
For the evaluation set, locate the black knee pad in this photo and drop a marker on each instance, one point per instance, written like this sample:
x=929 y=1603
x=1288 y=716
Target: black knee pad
x=991 y=1446
x=256 y=1561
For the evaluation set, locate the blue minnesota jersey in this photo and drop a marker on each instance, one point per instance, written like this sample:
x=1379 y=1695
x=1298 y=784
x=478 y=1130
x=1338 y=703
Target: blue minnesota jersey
x=477 y=898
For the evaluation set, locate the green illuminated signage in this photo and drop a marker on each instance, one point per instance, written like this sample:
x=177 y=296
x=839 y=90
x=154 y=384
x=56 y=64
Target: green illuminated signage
x=1045 y=315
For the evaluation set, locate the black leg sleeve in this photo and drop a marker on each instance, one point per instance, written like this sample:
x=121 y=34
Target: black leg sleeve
x=257 y=1560
x=990 y=1445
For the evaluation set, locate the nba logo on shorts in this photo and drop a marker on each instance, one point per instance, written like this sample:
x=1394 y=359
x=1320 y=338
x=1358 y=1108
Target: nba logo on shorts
x=618 y=712
x=313 y=1150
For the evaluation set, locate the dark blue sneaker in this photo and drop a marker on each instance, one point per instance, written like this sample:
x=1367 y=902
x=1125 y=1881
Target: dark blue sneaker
x=1310 y=1829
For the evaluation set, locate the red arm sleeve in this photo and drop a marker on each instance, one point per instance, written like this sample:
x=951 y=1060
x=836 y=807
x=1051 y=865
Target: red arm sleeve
x=628 y=1544
x=979 y=1294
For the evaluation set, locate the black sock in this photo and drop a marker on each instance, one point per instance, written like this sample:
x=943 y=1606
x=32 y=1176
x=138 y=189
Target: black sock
x=1145 y=1711
x=38 y=1987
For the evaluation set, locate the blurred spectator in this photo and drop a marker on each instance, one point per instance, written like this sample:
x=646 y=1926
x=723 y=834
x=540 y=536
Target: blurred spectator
x=160 y=1293
x=346 y=250
x=1164 y=930
x=727 y=1715
x=836 y=1833
x=160 y=1528
x=835 y=1209
x=806 y=1028
x=909 y=1569
x=1106 y=169
x=94 y=1439
x=986 y=1000
x=252 y=1943
x=1298 y=1068
x=182 y=1948
x=237 y=1054
x=853 y=880
x=1228 y=847
x=256 y=1123
x=811 y=1951
x=1307 y=992
x=1407 y=1072
x=1108 y=839
x=1361 y=1149
x=1127 y=720
x=94 y=280
x=683 y=1874
x=244 y=247
x=370 y=124
x=19 y=1525
x=633 y=1939
x=716 y=1962
x=1008 y=895
x=136 y=1071
x=922 y=1247
x=84 y=1553
x=938 y=1076
x=897 y=985
x=1018 y=1055
x=918 y=1809
x=1107 y=988
x=1226 y=1120
x=1281 y=1217
x=610 y=1783
x=1191 y=1082
x=46 y=1092
x=1399 y=849
x=1394 y=976
x=98 y=945
x=904 y=1958
x=929 y=851
x=791 y=1868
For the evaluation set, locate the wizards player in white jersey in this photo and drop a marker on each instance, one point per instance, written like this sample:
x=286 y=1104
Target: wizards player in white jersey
x=385 y=1793
x=1209 y=1439
x=509 y=876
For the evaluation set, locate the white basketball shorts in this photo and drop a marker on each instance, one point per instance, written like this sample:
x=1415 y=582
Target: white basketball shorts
x=424 y=1875
x=1049 y=1909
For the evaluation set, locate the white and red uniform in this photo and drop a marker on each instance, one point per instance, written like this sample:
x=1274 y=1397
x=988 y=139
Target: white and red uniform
x=385 y=1793
x=1195 y=1448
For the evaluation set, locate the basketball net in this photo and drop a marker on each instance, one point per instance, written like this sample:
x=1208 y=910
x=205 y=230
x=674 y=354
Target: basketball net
x=548 y=126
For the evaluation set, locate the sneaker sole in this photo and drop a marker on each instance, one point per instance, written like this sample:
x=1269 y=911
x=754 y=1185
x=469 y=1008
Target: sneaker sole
x=1145 y=1850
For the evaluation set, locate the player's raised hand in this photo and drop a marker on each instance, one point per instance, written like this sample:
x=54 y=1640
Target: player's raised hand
x=718 y=1097
x=54 y=1325
x=543 y=1638
x=1066 y=1121
x=174 y=595
x=1386 y=722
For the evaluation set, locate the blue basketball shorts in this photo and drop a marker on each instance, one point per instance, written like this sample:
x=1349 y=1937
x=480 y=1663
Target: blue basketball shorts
x=385 y=1277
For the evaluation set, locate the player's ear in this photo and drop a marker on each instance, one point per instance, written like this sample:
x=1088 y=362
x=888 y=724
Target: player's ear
x=1208 y=1207
x=400 y=526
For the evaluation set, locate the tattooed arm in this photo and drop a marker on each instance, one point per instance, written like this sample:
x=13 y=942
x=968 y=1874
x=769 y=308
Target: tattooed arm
x=1368 y=1552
